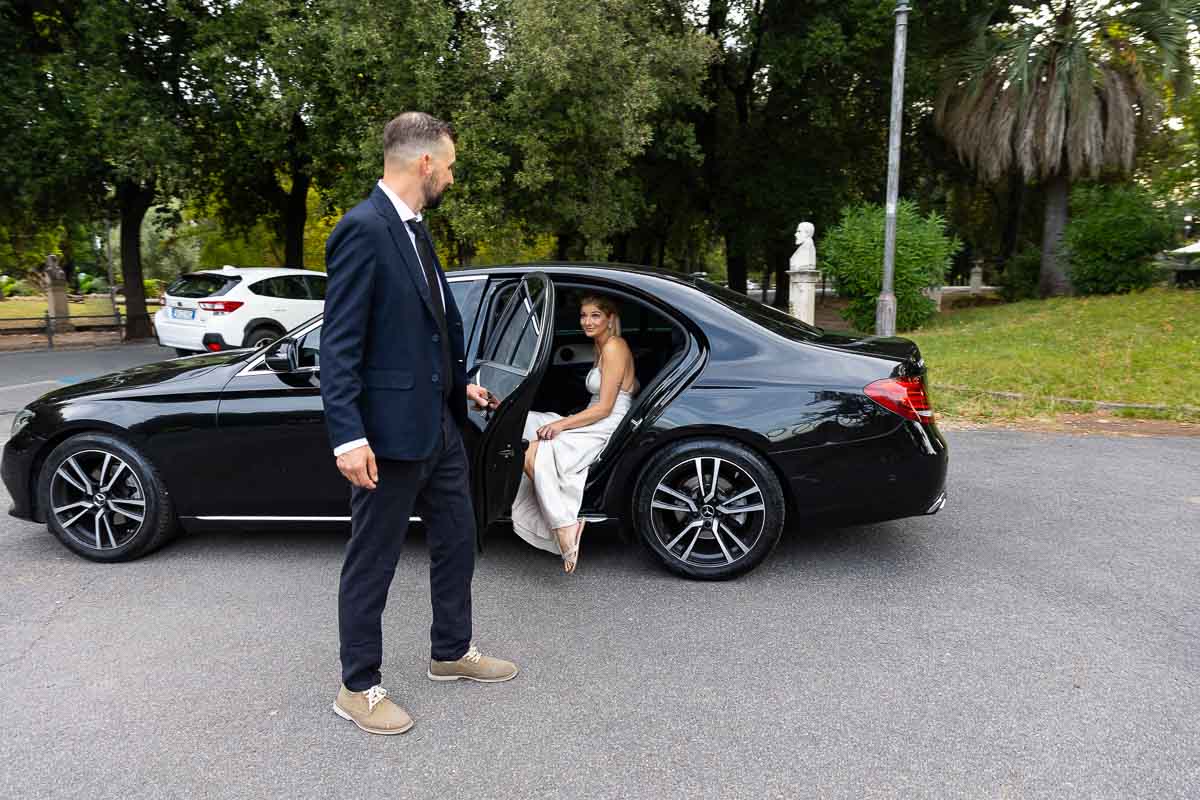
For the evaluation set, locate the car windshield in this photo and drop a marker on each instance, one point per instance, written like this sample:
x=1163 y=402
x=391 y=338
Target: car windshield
x=201 y=284
x=764 y=315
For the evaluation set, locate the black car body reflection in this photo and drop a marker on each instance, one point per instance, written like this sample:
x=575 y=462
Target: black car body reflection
x=746 y=418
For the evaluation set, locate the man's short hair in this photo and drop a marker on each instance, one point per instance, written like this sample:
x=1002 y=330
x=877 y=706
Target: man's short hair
x=412 y=133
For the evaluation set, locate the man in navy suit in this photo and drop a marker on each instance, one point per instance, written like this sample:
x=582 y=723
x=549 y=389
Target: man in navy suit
x=395 y=391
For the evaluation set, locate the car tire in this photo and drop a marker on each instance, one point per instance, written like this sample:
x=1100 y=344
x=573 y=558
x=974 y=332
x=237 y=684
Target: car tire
x=261 y=337
x=93 y=488
x=709 y=509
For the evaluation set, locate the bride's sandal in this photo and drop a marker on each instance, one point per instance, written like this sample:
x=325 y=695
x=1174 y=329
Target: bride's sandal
x=570 y=555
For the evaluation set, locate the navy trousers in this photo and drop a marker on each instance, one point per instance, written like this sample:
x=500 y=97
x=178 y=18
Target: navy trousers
x=438 y=490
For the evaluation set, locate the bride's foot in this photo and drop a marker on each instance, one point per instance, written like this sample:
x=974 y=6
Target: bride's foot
x=570 y=552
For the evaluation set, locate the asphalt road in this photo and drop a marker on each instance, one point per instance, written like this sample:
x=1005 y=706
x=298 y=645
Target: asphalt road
x=27 y=375
x=1037 y=638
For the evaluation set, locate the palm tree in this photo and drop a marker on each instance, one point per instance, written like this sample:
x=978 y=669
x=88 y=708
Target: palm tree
x=1063 y=89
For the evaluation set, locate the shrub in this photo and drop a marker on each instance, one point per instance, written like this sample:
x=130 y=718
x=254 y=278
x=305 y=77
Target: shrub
x=7 y=286
x=852 y=253
x=1112 y=235
x=85 y=282
x=153 y=288
x=21 y=288
x=1019 y=281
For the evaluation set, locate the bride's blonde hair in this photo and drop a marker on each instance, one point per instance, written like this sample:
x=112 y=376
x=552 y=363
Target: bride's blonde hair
x=608 y=307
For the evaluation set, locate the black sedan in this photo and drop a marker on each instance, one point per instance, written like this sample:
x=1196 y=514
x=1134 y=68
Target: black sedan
x=746 y=417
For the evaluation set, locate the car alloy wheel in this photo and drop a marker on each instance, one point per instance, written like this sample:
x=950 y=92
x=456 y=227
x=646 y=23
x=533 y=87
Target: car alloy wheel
x=709 y=508
x=97 y=499
x=103 y=499
x=704 y=518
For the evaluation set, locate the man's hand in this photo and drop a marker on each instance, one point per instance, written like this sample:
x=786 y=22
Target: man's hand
x=481 y=397
x=358 y=465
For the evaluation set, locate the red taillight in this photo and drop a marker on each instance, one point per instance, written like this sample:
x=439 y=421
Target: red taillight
x=221 y=306
x=904 y=396
x=213 y=346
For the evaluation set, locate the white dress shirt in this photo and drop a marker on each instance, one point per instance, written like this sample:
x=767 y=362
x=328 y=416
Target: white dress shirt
x=406 y=214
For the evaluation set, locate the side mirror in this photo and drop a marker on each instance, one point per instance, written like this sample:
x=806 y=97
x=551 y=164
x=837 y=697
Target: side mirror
x=283 y=356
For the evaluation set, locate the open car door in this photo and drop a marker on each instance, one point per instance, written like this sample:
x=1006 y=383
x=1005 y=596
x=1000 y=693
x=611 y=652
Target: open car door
x=513 y=360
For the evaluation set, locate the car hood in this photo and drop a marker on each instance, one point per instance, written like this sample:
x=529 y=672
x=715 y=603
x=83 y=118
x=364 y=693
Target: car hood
x=191 y=373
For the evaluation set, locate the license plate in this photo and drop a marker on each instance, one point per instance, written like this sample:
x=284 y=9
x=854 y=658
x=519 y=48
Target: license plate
x=183 y=313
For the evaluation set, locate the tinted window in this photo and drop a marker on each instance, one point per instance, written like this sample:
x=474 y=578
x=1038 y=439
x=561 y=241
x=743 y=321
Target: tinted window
x=263 y=288
x=202 y=284
x=316 y=286
x=517 y=333
x=288 y=287
x=292 y=287
x=767 y=316
x=467 y=295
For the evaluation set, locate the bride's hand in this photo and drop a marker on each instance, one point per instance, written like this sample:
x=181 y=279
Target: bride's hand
x=550 y=430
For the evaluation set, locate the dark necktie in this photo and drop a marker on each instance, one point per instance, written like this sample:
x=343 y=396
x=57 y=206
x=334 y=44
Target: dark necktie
x=429 y=265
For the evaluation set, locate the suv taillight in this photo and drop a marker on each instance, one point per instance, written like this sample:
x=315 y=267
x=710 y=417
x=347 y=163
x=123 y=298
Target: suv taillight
x=904 y=396
x=221 y=306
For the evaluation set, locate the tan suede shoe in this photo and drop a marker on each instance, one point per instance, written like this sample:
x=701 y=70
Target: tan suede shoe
x=474 y=666
x=372 y=711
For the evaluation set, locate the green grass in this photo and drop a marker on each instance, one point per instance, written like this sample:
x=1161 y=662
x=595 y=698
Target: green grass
x=1136 y=348
x=24 y=308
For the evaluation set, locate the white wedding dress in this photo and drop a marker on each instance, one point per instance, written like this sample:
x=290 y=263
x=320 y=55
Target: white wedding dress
x=553 y=498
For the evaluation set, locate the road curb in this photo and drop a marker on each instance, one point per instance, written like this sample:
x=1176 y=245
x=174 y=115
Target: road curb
x=1070 y=400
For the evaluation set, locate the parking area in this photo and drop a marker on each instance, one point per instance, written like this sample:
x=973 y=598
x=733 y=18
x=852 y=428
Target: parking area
x=1037 y=638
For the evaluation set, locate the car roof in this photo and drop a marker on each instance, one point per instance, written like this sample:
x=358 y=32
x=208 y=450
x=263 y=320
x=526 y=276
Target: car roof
x=255 y=272
x=593 y=268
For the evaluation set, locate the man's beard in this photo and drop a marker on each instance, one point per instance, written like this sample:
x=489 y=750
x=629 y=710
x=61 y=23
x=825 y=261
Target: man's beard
x=433 y=195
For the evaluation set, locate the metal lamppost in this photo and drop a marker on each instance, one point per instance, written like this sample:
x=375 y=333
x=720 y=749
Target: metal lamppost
x=885 y=309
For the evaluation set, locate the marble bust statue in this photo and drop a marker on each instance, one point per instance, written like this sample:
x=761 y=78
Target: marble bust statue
x=805 y=256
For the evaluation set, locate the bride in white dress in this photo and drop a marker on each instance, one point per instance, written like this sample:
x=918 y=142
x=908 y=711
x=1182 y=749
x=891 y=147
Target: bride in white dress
x=546 y=510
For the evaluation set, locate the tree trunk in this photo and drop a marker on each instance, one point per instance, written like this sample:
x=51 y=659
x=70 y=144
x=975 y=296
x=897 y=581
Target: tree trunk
x=1012 y=220
x=295 y=204
x=736 y=260
x=295 y=218
x=1053 y=279
x=783 y=281
x=133 y=200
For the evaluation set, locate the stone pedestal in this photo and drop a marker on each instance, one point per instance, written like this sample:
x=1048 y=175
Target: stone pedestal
x=977 y=278
x=802 y=294
x=56 y=295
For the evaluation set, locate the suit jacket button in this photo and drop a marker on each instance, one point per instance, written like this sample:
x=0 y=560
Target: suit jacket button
x=436 y=338
x=435 y=378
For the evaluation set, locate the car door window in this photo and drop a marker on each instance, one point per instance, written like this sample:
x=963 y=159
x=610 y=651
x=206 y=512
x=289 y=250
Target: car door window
x=514 y=340
x=316 y=286
x=292 y=287
x=467 y=295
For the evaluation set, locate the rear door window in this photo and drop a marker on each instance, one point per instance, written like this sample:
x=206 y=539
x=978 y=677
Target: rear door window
x=316 y=286
x=202 y=284
x=467 y=294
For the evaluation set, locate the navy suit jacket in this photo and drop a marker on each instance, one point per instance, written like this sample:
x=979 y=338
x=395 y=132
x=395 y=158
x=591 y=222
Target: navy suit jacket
x=380 y=347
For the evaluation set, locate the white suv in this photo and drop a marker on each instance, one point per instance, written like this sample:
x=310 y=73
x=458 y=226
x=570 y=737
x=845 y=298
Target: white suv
x=235 y=307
